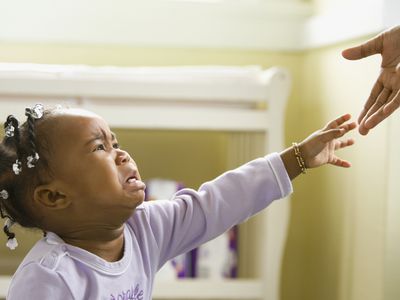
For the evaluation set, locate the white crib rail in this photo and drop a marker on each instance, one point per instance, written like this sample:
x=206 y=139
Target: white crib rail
x=197 y=98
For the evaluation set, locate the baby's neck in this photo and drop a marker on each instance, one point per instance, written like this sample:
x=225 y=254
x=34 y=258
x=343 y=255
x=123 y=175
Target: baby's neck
x=109 y=246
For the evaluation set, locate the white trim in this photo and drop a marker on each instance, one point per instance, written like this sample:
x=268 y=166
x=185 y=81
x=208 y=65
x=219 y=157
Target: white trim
x=336 y=27
x=190 y=98
x=240 y=24
x=205 y=83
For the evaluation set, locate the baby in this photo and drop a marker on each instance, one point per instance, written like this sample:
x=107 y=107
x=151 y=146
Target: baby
x=63 y=171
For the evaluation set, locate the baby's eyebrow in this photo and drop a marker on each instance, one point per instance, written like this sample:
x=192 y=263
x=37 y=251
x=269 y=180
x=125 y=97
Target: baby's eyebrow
x=102 y=136
x=113 y=136
x=95 y=137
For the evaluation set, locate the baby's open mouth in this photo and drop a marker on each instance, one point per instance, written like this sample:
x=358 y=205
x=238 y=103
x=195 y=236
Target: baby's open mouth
x=131 y=179
x=134 y=182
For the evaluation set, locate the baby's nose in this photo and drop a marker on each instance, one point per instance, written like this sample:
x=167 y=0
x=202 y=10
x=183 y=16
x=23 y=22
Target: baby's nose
x=122 y=157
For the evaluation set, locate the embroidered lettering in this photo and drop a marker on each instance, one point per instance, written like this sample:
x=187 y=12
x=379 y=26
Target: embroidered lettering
x=131 y=294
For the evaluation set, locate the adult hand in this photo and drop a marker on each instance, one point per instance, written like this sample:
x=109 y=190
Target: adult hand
x=384 y=98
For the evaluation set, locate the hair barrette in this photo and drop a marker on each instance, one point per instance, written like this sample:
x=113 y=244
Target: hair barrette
x=4 y=194
x=17 y=167
x=12 y=242
x=36 y=112
x=31 y=160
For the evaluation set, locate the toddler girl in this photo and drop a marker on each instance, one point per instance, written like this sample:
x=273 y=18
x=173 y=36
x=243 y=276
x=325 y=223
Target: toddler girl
x=62 y=171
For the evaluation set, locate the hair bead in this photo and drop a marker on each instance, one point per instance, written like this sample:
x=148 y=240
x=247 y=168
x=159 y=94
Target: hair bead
x=32 y=159
x=4 y=194
x=9 y=130
x=17 y=167
x=12 y=242
x=19 y=153
x=36 y=112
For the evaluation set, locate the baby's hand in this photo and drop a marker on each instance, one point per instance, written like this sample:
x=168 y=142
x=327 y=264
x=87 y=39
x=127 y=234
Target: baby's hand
x=319 y=148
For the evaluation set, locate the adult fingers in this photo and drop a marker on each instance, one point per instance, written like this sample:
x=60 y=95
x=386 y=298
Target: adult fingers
x=380 y=101
x=362 y=129
x=367 y=111
x=383 y=112
x=370 y=47
x=393 y=103
x=374 y=119
x=375 y=92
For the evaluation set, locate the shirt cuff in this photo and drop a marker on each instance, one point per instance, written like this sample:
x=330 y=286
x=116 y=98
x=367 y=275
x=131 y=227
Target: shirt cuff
x=281 y=175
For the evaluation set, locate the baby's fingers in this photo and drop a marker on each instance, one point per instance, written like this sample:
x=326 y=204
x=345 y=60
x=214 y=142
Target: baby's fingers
x=329 y=135
x=340 y=163
x=349 y=126
x=337 y=122
x=343 y=144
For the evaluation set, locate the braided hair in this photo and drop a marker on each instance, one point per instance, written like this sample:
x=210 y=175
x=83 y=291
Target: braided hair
x=21 y=170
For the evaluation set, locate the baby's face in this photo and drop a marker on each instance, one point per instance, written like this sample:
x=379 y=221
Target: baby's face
x=101 y=180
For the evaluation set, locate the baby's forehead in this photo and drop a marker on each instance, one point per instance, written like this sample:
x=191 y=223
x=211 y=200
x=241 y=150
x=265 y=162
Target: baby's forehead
x=71 y=132
x=79 y=123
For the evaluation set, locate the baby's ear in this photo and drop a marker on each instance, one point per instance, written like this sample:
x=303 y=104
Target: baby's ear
x=49 y=196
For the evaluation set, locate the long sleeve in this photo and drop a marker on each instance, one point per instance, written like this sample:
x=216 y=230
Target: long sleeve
x=39 y=282
x=194 y=217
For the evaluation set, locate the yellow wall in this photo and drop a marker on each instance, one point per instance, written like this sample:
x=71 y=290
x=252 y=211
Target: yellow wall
x=335 y=245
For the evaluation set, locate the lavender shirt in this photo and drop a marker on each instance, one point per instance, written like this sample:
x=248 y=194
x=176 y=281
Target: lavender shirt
x=156 y=232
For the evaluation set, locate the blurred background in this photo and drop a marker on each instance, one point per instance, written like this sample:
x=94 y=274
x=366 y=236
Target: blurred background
x=344 y=234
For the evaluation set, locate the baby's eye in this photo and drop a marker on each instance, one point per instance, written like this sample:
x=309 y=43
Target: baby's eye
x=116 y=146
x=100 y=147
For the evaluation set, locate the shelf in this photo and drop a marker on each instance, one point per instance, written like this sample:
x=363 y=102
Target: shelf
x=209 y=289
x=4 y=284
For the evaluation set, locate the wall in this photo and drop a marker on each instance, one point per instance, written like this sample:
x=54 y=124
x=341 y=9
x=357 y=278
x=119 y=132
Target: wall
x=335 y=248
x=392 y=257
x=197 y=171
x=335 y=245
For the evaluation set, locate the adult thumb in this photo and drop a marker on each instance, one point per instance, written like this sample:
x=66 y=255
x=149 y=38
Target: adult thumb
x=370 y=47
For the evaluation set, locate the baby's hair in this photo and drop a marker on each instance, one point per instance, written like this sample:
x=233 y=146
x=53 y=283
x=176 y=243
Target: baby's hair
x=24 y=156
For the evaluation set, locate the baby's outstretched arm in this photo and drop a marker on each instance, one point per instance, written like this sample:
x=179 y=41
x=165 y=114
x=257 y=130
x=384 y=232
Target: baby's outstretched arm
x=319 y=148
x=195 y=217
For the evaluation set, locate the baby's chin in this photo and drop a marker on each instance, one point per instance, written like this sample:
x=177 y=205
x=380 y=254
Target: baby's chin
x=137 y=198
